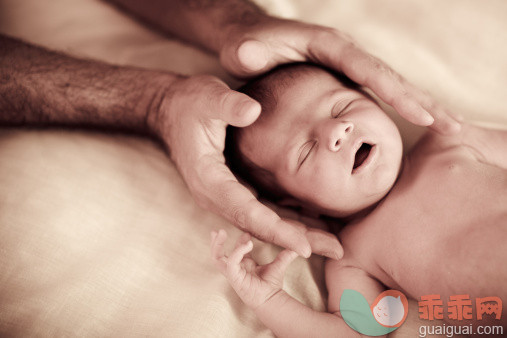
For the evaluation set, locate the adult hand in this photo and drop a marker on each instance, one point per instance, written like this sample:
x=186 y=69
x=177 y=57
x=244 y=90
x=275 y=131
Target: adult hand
x=252 y=49
x=192 y=119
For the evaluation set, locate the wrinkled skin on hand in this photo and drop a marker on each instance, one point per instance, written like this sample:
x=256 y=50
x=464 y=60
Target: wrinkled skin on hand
x=192 y=121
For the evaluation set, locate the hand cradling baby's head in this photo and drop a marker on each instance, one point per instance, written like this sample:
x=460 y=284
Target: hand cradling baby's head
x=320 y=143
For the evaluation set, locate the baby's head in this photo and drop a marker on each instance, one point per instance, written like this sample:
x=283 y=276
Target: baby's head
x=320 y=142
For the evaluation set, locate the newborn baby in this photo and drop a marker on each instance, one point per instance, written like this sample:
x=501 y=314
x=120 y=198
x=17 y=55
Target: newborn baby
x=431 y=222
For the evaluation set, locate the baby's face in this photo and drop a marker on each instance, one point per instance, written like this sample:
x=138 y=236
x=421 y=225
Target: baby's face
x=332 y=148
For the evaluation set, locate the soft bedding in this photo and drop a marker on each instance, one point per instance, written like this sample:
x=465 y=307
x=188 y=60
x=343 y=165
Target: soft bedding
x=99 y=235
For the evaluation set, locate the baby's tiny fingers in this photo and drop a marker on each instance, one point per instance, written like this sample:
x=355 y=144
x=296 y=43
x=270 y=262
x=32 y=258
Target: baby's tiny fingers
x=234 y=260
x=279 y=265
x=244 y=238
x=217 y=249
x=238 y=254
x=284 y=259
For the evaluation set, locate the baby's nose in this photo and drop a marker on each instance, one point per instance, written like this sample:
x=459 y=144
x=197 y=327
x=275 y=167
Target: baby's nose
x=338 y=133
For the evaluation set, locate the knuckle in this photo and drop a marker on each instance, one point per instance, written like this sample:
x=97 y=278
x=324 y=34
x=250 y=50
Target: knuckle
x=377 y=65
x=226 y=99
x=402 y=97
x=243 y=217
x=266 y=235
x=322 y=36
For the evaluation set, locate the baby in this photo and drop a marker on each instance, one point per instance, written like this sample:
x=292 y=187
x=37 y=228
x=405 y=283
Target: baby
x=432 y=222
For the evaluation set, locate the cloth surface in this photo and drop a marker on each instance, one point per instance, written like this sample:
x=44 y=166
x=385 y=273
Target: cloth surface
x=99 y=235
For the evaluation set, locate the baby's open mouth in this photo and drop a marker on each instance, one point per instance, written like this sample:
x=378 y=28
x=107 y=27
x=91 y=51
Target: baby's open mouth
x=361 y=155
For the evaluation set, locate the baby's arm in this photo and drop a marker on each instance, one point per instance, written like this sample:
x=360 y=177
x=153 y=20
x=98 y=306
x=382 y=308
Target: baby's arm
x=260 y=287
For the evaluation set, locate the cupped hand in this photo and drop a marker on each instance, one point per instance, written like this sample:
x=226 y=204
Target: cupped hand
x=192 y=120
x=255 y=284
x=254 y=49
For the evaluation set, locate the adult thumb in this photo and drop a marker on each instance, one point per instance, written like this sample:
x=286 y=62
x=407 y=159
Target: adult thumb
x=248 y=58
x=238 y=109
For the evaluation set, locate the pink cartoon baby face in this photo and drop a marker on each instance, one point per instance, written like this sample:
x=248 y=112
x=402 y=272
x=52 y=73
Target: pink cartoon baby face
x=390 y=310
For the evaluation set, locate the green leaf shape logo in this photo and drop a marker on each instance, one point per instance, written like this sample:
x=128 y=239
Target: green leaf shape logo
x=357 y=313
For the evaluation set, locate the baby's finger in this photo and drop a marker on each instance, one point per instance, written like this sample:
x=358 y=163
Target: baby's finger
x=234 y=260
x=233 y=107
x=279 y=265
x=217 y=249
x=244 y=238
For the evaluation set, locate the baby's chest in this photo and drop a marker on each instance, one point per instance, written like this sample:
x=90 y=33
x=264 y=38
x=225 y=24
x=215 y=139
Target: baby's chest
x=448 y=212
x=453 y=189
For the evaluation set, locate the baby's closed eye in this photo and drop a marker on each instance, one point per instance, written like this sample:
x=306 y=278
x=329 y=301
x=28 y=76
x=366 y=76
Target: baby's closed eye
x=305 y=151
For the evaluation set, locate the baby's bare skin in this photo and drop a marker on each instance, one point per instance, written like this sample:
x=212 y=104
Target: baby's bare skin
x=441 y=230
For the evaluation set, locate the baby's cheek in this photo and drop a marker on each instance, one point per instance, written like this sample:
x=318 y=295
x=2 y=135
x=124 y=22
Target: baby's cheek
x=383 y=178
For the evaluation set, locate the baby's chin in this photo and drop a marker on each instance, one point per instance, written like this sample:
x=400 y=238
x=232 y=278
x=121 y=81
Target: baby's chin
x=350 y=213
x=364 y=206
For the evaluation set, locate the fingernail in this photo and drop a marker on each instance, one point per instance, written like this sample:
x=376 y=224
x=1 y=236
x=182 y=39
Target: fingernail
x=246 y=107
x=306 y=252
x=427 y=119
x=248 y=112
x=253 y=55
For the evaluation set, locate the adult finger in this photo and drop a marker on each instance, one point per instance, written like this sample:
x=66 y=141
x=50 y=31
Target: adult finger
x=255 y=56
x=324 y=243
x=242 y=208
x=321 y=241
x=249 y=57
x=369 y=71
x=385 y=83
x=232 y=107
x=252 y=56
x=446 y=122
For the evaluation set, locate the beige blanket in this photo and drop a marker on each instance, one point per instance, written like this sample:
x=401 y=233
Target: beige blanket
x=98 y=233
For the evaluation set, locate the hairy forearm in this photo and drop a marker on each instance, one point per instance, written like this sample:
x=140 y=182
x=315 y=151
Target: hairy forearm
x=287 y=317
x=40 y=87
x=202 y=22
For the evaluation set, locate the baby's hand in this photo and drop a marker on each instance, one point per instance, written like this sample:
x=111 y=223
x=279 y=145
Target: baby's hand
x=254 y=284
